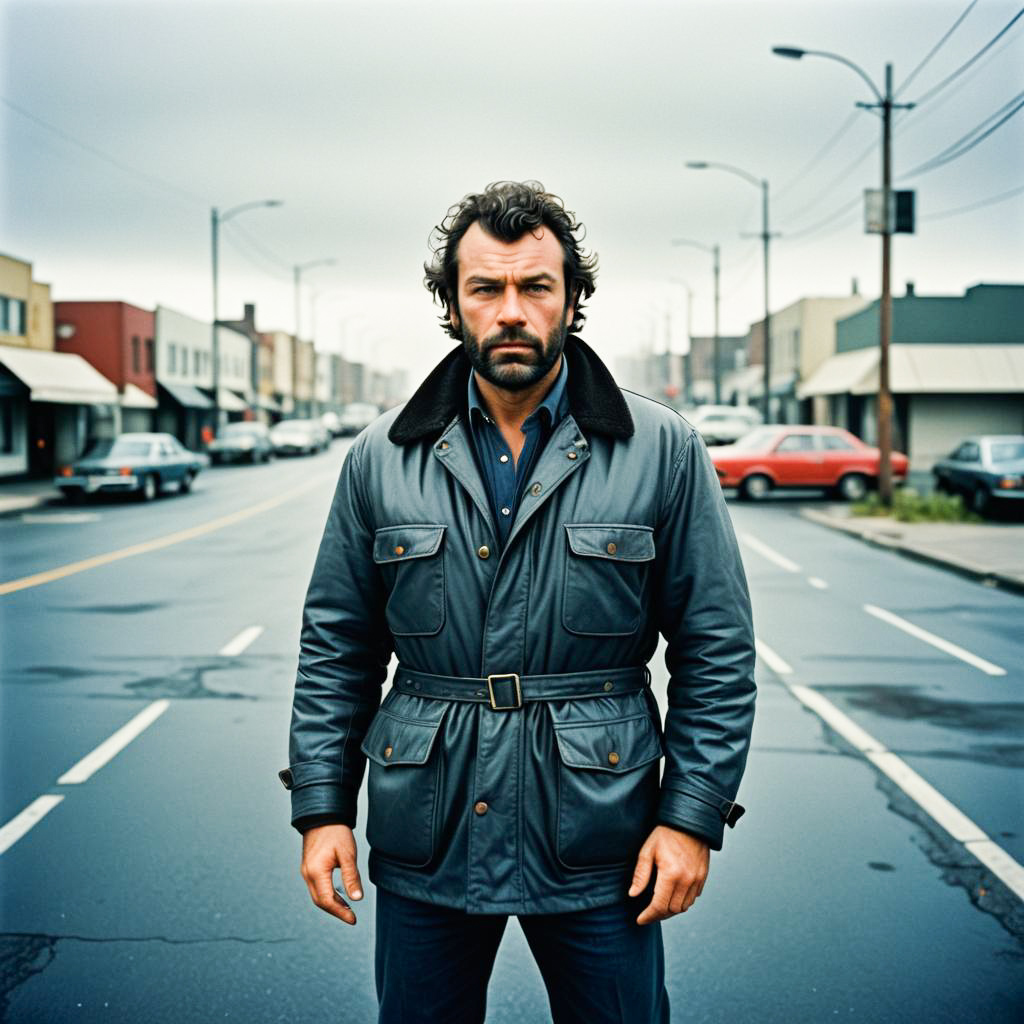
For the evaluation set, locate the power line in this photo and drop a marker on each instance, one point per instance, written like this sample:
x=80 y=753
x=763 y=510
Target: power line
x=967 y=142
x=101 y=155
x=963 y=67
x=840 y=177
x=819 y=156
x=990 y=201
x=935 y=49
x=825 y=221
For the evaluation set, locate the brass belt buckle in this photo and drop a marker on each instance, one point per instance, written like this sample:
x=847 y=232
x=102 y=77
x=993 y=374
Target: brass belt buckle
x=495 y=706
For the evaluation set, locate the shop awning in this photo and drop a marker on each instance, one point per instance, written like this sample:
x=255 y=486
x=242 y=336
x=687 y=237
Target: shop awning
x=62 y=377
x=188 y=396
x=923 y=370
x=231 y=401
x=133 y=397
x=268 y=403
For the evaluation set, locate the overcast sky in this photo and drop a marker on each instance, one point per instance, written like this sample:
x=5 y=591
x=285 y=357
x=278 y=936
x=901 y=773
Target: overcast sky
x=123 y=123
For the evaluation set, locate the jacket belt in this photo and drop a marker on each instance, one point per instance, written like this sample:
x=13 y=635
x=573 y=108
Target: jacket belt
x=509 y=691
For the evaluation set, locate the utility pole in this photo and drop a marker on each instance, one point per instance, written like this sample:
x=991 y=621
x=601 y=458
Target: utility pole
x=716 y=356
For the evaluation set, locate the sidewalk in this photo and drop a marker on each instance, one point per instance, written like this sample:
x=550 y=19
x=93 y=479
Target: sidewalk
x=27 y=495
x=991 y=552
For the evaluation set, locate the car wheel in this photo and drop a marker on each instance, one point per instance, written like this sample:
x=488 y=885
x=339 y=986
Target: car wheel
x=981 y=500
x=755 y=487
x=150 y=487
x=941 y=487
x=853 y=487
x=186 y=482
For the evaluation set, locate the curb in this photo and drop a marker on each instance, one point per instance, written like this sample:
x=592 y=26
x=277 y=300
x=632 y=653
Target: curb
x=10 y=507
x=879 y=539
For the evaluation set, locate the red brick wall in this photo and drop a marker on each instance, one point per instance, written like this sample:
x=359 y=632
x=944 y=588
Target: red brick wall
x=103 y=337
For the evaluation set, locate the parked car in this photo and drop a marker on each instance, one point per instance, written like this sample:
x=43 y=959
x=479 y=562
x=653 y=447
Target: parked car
x=356 y=417
x=801 y=456
x=724 y=424
x=988 y=471
x=242 y=442
x=332 y=421
x=143 y=464
x=299 y=437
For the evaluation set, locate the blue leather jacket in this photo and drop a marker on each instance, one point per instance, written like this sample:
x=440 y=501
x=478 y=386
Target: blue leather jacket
x=514 y=762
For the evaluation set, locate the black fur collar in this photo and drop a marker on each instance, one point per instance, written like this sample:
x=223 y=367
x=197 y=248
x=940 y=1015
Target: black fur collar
x=594 y=397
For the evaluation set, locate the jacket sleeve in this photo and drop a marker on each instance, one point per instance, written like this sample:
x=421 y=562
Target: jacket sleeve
x=343 y=658
x=704 y=614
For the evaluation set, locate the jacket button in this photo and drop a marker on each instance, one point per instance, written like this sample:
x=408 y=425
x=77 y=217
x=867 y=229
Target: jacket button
x=484 y=551
x=572 y=455
x=399 y=550
x=388 y=751
x=536 y=489
x=609 y=686
x=612 y=548
x=444 y=446
x=480 y=807
x=613 y=758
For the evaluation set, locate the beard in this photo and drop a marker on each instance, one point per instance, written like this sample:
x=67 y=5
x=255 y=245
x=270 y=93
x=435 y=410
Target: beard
x=514 y=371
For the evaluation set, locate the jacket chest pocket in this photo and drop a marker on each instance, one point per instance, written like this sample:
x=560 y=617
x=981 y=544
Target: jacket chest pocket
x=404 y=786
x=607 y=789
x=411 y=559
x=606 y=569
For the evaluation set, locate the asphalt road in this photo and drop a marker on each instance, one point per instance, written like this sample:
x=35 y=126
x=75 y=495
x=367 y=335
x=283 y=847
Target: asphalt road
x=163 y=886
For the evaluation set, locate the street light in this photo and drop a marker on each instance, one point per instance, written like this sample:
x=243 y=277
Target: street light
x=762 y=184
x=716 y=356
x=298 y=270
x=886 y=105
x=216 y=219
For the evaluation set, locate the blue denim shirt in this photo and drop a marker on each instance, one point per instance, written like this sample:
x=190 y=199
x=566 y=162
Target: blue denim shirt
x=505 y=478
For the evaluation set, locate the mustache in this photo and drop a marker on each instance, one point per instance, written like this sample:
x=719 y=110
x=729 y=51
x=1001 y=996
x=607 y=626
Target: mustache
x=512 y=334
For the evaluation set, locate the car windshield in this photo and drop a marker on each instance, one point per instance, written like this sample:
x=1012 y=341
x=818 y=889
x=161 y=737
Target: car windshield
x=758 y=440
x=119 y=449
x=1007 y=451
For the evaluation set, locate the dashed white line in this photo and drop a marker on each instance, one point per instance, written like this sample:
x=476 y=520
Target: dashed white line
x=771 y=659
x=936 y=641
x=21 y=823
x=770 y=553
x=235 y=647
x=817 y=583
x=111 y=747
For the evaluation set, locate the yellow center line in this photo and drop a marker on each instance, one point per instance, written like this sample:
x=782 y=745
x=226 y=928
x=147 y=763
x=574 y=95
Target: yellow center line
x=39 y=578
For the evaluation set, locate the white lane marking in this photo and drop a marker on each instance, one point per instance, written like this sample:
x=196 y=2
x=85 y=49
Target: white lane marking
x=817 y=583
x=112 y=746
x=936 y=641
x=21 y=823
x=929 y=799
x=60 y=517
x=773 y=556
x=235 y=647
x=771 y=659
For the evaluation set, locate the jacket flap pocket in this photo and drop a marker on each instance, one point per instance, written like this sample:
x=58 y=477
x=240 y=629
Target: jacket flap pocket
x=392 y=740
x=620 y=745
x=402 y=543
x=621 y=543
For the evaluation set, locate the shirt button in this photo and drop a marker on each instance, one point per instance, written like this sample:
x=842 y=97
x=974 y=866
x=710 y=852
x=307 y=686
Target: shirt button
x=536 y=489
x=612 y=549
x=480 y=807
x=503 y=458
x=613 y=758
x=484 y=551
x=506 y=511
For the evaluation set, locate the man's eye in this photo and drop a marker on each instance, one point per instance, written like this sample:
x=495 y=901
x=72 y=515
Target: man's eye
x=484 y=289
x=539 y=287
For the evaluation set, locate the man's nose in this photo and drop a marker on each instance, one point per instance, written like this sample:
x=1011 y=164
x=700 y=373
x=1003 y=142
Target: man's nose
x=511 y=312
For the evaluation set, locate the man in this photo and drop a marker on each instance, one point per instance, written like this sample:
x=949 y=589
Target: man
x=519 y=533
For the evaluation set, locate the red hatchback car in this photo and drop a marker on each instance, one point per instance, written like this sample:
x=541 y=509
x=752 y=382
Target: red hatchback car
x=801 y=456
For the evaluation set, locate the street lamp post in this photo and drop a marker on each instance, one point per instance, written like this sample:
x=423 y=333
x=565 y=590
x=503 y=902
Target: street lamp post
x=766 y=237
x=886 y=105
x=216 y=219
x=298 y=270
x=716 y=355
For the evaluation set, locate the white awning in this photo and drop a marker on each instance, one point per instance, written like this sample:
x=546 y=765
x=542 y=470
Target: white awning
x=134 y=397
x=842 y=374
x=62 y=377
x=230 y=401
x=923 y=370
x=268 y=403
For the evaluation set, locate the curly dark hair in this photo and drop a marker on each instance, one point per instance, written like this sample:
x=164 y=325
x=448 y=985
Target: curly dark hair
x=507 y=210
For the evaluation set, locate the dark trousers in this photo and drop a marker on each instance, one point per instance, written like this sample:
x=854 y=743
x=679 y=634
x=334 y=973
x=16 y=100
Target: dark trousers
x=599 y=967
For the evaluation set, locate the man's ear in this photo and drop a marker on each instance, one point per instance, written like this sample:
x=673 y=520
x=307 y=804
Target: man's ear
x=453 y=312
x=570 y=310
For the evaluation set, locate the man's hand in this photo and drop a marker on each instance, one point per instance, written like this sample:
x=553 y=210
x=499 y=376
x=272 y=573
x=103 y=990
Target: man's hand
x=682 y=861
x=324 y=849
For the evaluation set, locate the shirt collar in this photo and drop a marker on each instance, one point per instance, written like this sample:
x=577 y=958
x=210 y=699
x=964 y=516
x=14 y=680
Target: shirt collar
x=555 y=404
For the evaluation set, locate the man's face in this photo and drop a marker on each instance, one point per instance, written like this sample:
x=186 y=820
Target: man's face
x=510 y=306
